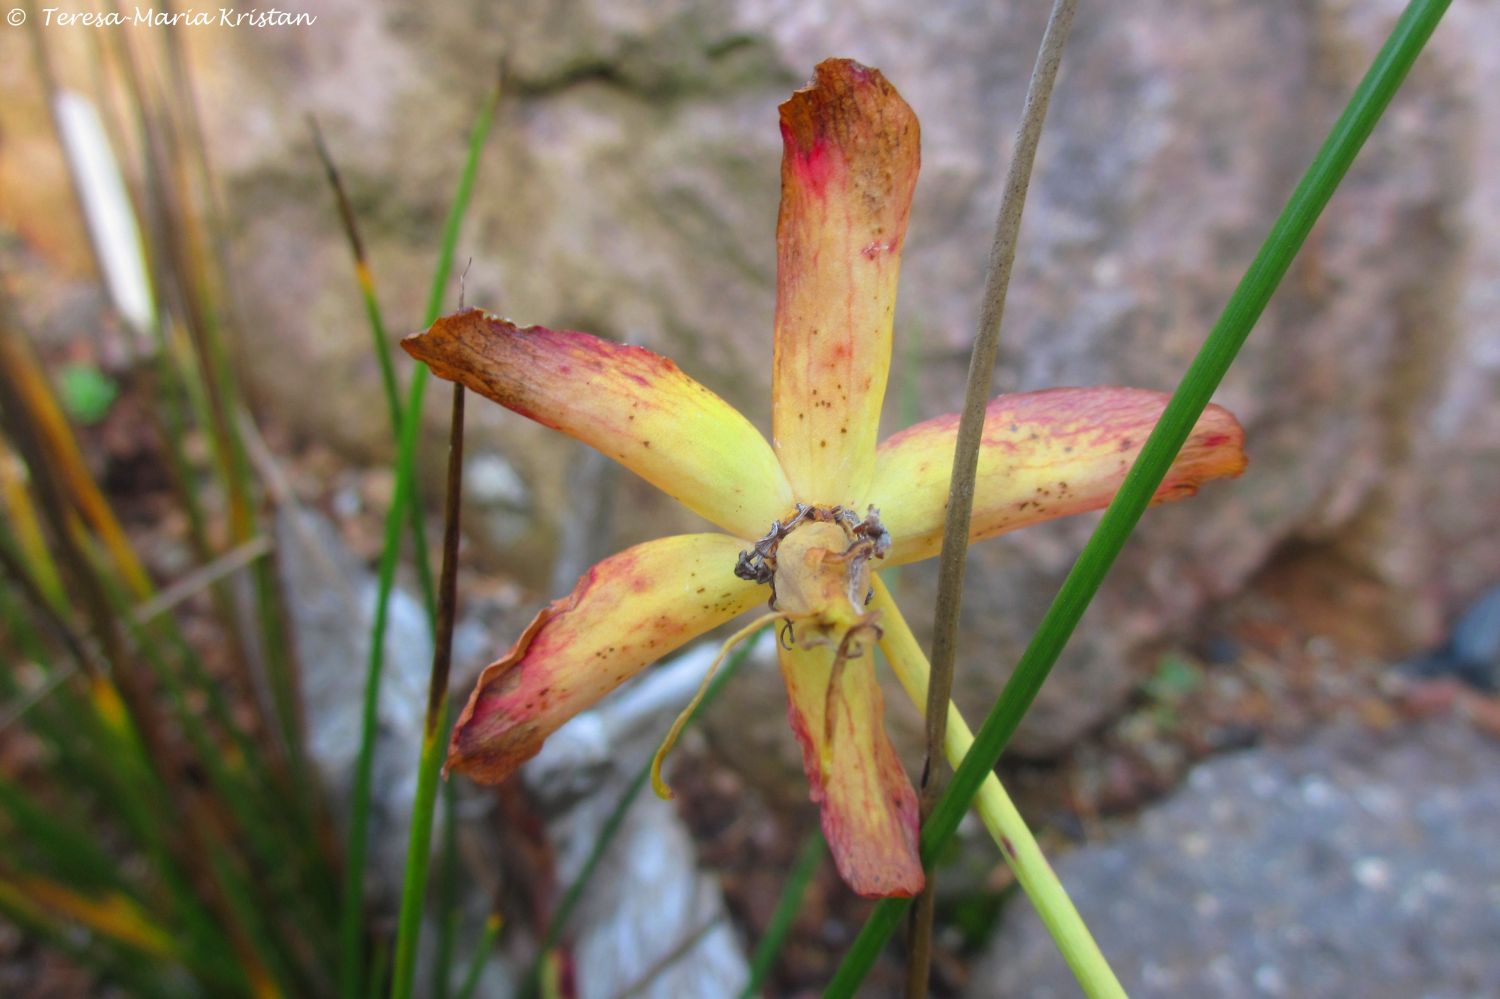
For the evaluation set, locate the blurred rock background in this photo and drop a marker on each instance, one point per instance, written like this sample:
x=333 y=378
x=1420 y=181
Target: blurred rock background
x=630 y=189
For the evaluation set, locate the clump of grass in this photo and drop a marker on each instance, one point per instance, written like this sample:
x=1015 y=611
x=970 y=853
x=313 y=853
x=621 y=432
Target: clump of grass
x=198 y=785
x=207 y=855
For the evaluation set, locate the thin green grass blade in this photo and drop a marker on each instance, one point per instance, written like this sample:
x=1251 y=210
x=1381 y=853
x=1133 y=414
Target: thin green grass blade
x=21 y=532
x=243 y=823
x=284 y=867
x=272 y=970
x=780 y=927
x=481 y=953
x=21 y=641
x=72 y=855
x=85 y=746
x=351 y=921
x=612 y=825
x=447 y=890
x=189 y=276
x=381 y=343
x=419 y=845
x=455 y=220
x=131 y=731
x=115 y=963
x=414 y=880
x=1189 y=400
x=143 y=800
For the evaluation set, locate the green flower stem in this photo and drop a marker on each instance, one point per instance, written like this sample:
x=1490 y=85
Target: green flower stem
x=999 y=814
x=419 y=847
x=447 y=900
x=1188 y=402
x=351 y=921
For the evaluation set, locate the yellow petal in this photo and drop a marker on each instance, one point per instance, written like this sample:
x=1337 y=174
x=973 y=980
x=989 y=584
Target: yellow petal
x=847 y=174
x=625 y=613
x=869 y=807
x=627 y=402
x=1043 y=455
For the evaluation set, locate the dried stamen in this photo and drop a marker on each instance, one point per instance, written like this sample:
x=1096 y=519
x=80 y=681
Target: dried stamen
x=866 y=538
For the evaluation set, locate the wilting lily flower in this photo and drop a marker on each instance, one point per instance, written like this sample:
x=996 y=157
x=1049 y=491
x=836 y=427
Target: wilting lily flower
x=806 y=519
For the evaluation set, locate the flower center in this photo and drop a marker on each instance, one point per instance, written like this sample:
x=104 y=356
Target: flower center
x=818 y=565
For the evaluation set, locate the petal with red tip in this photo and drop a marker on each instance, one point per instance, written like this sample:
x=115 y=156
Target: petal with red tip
x=626 y=612
x=626 y=402
x=1043 y=455
x=847 y=174
x=869 y=807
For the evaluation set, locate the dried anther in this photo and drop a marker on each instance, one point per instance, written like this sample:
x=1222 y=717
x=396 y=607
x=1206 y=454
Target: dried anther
x=867 y=539
x=758 y=565
x=872 y=530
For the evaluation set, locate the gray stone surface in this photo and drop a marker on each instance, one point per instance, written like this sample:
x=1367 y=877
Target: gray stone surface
x=1359 y=864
